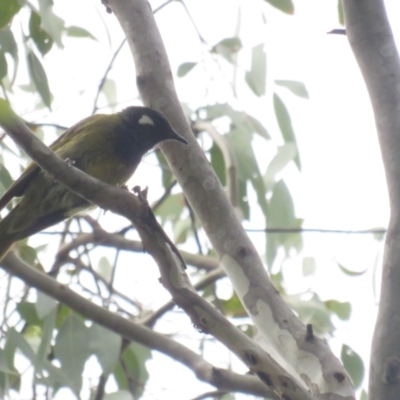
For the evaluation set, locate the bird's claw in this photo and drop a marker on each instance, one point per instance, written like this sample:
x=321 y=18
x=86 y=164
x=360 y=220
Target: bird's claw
x=142 y=194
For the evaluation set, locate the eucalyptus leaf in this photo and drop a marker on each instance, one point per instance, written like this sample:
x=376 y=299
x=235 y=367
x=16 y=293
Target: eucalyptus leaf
x=285 y=125
x=72 y=350
x=296 y=87
x=286 y=6
x=185 y=68
x=8 y=8
x=39 y=78
x=354 y=365
x=256 y=77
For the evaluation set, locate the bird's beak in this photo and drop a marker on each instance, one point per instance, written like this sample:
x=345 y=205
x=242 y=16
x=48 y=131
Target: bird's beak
x=174 y=136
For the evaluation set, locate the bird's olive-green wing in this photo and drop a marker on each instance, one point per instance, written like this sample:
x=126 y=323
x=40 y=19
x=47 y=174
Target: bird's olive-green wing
x=18 y=188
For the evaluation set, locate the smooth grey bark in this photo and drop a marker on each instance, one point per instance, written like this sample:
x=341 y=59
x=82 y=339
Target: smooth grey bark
x=372 y=41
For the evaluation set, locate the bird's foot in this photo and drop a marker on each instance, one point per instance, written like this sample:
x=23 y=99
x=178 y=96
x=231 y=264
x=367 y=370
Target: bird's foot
x=142 y=194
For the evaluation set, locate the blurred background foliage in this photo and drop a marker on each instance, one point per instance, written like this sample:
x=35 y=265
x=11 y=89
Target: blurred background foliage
x=46 y=349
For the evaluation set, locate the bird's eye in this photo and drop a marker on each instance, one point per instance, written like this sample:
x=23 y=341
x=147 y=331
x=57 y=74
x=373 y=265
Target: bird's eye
x=145 y=120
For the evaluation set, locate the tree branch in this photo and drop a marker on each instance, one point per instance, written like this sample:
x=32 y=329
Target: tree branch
x=374 y=47
x=318 y=367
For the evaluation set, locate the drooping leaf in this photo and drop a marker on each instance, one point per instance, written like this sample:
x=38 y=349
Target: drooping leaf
x=258 y=127
x=280 y=215
x=256 y=77
x=9 y=45
x=351 y=273
x=218 y=163
x=228 y=48
x=39 y=78
x=354 y=365
x=286 y=6
x=41 y=38
x=341 y=309
x=311 y=311
x=77 y=31
x=185 y=68
x=284 y=155
x=172 y=207
x=107 y=355
x=340 y=12
x=28 y=312
x=48 y=326
x=240 y=141
x=3 y=65
x=167 y=176
x=296 y=87
x=8 y=8
x=44 y=304
x=134 y=359
x=51 y=23
x=285 y=125
x=72 y=350
x=110 y=92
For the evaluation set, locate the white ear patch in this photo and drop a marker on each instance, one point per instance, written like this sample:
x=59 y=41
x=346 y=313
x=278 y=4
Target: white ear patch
x=145 y=120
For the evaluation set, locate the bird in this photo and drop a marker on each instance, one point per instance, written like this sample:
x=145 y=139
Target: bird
x=108 y=147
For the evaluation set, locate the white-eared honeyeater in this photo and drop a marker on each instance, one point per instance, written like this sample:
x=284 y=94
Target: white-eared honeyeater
x=107 y=147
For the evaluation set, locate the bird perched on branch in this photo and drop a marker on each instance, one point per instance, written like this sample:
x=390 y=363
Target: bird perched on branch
x=107 y=147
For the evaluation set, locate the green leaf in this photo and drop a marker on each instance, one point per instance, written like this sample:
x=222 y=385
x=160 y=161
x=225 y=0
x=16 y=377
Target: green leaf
x=77 y=31
x=134 y=370
x=107 y=355
x=341 y=309
x=285 y=125
x=228 y=48
x=72 y=350
x=296 y=87
x=248 y=169
x=256 y=77
x=27 y=253
x=44 y=304
x=311 y=311
x=351 y=273
x=185 y=68
x=167 y=176
x=218 y=163
x=39 y=78
x=258 y=127
x=48 y=327
x=233 y=307
x=340 y=12
x=5 y=177
x=51 y=23
x=41 y=38
x=20 y=342
x=353 y=364
x=3 y=66
x=172 y=207
x=309 y=266
x=110 y=91
x=182 y=228
x=28 y=312
x=8 y=8
x=3 y=363
x=363 y=395
x=281 y=215
x=283 y=156
x=286 y=6
x=9 y=45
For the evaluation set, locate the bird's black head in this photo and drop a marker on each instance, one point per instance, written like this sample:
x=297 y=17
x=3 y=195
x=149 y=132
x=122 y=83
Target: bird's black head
x=150 y=127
